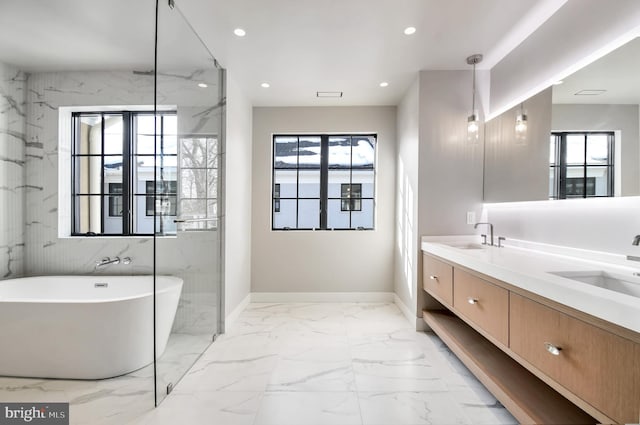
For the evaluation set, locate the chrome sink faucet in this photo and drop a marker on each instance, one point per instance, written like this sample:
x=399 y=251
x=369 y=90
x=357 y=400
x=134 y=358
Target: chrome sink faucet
x=636 y=242
x=490 y=231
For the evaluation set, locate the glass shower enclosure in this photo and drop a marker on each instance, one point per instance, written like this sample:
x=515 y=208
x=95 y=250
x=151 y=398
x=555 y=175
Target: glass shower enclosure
x=111 y=171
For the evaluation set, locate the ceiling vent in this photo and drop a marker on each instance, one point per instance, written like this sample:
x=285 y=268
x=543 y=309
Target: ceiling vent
x=589 y=92
x=328 y=94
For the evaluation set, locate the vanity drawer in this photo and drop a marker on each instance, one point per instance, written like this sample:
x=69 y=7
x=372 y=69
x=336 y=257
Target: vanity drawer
x=437 y=278
x=596 y=365
x=483 y=303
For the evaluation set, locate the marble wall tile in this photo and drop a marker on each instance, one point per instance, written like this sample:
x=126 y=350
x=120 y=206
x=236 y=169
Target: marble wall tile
x=12 y=169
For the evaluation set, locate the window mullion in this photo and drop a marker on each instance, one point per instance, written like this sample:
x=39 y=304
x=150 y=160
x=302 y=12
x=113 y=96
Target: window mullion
x=324 y=180
x=127 y=200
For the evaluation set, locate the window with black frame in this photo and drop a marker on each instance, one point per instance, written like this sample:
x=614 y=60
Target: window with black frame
x=113 y=170
x=581 y=165
x=323 y=182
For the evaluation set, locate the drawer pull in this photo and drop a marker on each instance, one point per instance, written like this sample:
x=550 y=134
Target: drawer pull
x=472 y=300
x=432 y=277
x=553 y=349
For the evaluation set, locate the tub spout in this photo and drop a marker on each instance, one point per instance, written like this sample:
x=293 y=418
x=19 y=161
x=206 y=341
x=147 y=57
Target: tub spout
x=106 y=261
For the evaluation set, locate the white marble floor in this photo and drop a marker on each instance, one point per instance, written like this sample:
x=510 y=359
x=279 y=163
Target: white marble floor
x=327 y=364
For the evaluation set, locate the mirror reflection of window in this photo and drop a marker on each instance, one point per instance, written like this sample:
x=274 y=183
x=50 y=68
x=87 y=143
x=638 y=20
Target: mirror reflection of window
x=581 y=165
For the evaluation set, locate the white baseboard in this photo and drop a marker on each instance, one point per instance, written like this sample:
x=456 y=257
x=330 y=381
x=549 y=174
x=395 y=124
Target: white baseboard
x=322 y=297
x=411 y=317
x=233 y=316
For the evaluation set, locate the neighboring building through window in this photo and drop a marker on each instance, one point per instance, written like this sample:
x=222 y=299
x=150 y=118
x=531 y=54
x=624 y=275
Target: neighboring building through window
x=323 y=182
x=581 y=165
x=114 y=164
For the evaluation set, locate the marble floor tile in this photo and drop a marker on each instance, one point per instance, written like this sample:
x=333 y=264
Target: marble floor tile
x=232 y=408
x=309 y=408
x=289 y=363
x=409 y=408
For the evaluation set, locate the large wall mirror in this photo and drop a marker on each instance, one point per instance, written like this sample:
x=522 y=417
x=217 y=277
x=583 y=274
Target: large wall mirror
x=577 y=139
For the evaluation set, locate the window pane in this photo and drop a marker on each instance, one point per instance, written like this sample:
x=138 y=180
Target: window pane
x=143 y=173
x=88 y=175
x=193 y=152
x=363 y=152
x=574 y=185
x=575 y=149
x=212 y=183
x=553 y=179
x=308 y=213
x=364 y=217
x=336 y=178
x=309 y=152
x=113 y=134
x=336 y=218
x=285 y=152
x=112 y=222
x=598 y=181
x=193 y=183
x=339 y=152
x=309 y=184
x=365 y=178
x=287 y=179
x=597 y=149
x=88 y=136
x=552 y=149
x=145 y=134
x=113 y=170
x=87 y=212
x=287 y=215
x=212 y=152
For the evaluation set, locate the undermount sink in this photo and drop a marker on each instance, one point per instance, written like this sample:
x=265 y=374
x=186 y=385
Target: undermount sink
x=467 y=245
x=628 y=285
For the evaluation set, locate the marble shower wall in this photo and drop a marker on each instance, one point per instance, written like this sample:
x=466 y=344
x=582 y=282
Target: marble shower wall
x=12 y=177
x=194 y=256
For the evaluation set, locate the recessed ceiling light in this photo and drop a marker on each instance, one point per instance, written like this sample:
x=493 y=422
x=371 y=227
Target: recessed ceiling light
x=557 y=83
x=239 y=32
x=203 y=85
x=384 y=84
x=409 y=30
x=265 y=85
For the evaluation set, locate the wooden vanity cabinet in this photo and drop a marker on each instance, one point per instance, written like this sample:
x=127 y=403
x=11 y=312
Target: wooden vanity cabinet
x=437 y=279
x=593 y=364
x=482 y=303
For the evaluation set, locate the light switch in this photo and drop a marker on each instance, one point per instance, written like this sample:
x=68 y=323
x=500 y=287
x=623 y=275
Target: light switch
x=471 y=217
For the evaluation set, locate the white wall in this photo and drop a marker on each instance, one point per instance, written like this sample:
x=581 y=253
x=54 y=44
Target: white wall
x=569 y=37
x=623 y=118
x=238 y=204
x=13 y=141
x=406 y=245
x=518 y=172
x=323 y=261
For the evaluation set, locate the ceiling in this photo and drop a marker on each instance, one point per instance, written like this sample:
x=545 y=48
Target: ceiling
x=298 y=46
x=618 y=73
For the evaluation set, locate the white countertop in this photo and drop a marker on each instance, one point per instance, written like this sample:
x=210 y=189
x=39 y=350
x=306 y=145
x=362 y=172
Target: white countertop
x=526 y=266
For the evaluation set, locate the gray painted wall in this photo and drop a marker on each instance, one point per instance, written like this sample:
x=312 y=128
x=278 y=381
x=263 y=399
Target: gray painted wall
x=518 y=172
x=323 y=261
x=624 y=118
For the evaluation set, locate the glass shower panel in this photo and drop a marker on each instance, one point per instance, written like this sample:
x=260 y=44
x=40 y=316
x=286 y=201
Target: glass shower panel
x=67 y=165
x=184 y=195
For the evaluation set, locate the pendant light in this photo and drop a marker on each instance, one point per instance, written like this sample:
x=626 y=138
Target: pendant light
x=473 y=123
x=521 y=126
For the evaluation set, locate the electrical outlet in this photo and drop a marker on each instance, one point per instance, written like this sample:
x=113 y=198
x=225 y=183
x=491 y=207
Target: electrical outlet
x=471 y=217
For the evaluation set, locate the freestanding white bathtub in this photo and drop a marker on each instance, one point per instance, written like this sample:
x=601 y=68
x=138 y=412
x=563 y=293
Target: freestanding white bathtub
x=83 y=327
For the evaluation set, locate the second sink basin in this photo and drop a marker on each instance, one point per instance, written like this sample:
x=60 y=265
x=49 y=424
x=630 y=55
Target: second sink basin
x=628 y=285
x=467 y=245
